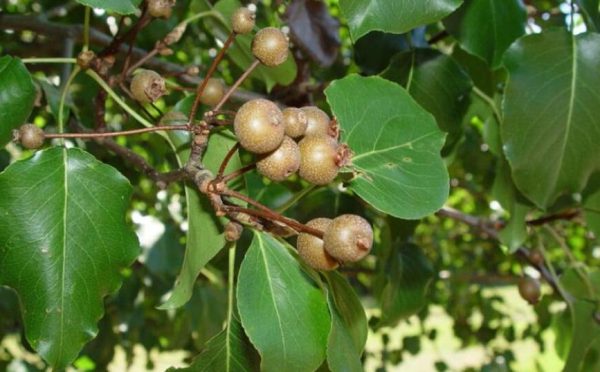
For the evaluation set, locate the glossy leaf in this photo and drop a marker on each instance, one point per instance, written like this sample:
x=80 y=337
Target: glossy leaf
x=205 y=231
x=592 y=213
x=408 y=274
x=393 y=16
x=396 y=146
x=586 y=330
x=283 y=313
x=437 y=83
x=514 y=234
x=349 y=330
x=63 y=241
x=591 y=12
x=17 y=95
x=229 y=351
x=115 y=6
x=487 y=28
x=240 y=52
x=551 y=133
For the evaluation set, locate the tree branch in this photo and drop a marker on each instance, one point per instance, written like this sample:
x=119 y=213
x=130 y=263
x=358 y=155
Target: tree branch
x=61 y=31
x=489 y=229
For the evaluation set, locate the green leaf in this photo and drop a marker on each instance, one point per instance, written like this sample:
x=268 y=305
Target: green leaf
x=589 y=9
x=205 y=231
x=393 y=16
x=551 y=136
x=349 y=330
x=487 y=28
x=408 y=274
x=63 y=240
x=228 y=351
x=592 y=213
x=241 y=52
x=514 y=234
x=396 y=146
x=283 y=313
x=17 y=95
x=583 y=308
x=115 y=6
x=437 y=83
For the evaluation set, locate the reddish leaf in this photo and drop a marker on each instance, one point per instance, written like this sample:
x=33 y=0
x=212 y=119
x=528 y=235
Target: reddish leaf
x=314 y=30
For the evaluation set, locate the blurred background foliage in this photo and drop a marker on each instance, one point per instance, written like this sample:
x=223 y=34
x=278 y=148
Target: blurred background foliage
x=454 y=302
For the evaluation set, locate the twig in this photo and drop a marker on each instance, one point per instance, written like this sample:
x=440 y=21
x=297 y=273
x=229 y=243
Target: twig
x=209 y=73
x=226 y=160
x=491 y=232
x=238 y=173
x=120 y=133
x=565 y=215
x=236 y=85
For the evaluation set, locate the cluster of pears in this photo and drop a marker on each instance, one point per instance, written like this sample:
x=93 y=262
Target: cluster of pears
x=304 y=140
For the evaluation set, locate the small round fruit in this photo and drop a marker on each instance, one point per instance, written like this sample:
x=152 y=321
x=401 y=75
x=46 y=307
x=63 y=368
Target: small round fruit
x=30 y=136
x=349 y=238
x=147 y=86
x=529 y=289
x=317 y=159
x=310 y=248
x=270 y=46
x=243 y=20
x=281 y=163
x=318 y=121
x=160 y=8
x=295 y=122
x=213 y=92
x=536 y=257
x=258 y=126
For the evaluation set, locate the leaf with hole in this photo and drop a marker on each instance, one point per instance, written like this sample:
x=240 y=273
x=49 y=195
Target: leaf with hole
x=396 y=146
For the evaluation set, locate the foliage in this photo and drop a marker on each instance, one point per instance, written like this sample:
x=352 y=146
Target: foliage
x=473 y=138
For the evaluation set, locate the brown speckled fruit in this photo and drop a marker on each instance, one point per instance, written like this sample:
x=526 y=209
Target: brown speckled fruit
x=30 y=136
x=242 y=21
x=536 y=257
x=281 y=163
x=213 y=92
x=147 y=86
x=349 y=238
x=270 y=46
x=160 y=8
x=318 y=159
x=295 y=122
x=310 y=248
x=258 y=126
x=318 y=121
x=529 y=289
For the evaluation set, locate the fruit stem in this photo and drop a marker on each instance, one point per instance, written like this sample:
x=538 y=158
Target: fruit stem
x=121 y=133
x=48 y=60
x=273 y=216
x=63 y=97
x=226 y=160
x=269 y=214
x=237 y=84
x=238 y=173
x=211 y=71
